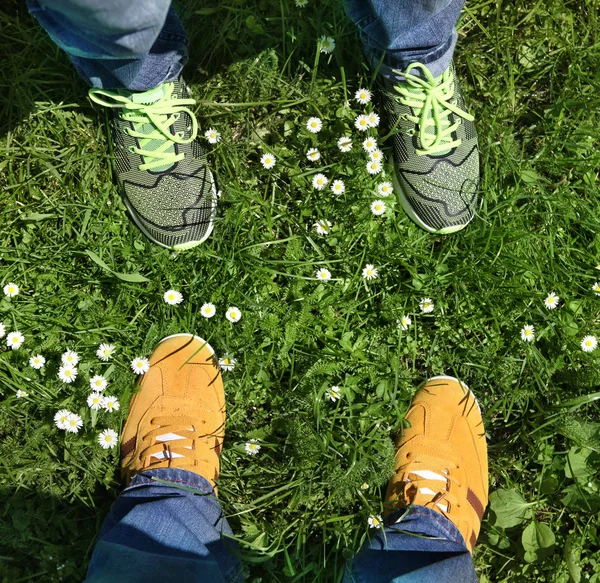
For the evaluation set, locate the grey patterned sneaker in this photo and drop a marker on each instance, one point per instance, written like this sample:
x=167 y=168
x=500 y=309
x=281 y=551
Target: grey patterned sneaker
x=436 y=157
x=160 y=165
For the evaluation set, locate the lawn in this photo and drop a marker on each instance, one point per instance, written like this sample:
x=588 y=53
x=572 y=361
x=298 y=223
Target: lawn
x=529 y=71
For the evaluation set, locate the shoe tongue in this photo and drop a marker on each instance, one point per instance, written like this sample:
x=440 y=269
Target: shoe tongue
x=150 y=96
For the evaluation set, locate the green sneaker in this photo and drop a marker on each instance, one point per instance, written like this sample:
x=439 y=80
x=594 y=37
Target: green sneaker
x=436 y=157
x=160 y=165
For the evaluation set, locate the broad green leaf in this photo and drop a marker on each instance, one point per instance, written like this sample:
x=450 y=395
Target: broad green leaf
x=129 y=277
x=530 y=176
x=572 y=556
x=510 y=508
x=36 y=217
x=537 y=536
x=582 y=463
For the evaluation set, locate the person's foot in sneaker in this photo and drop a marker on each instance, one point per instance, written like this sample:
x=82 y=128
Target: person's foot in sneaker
x=441 y=458
x=160 y=165
x=436 y=157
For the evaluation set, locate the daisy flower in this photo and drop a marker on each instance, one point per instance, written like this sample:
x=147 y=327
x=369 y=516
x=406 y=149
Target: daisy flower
x=70 y=357
x=60 y=419
x=15 y=340
x=213 y=136
x=73 y=423
x=333 y=394
x=37 y=361
x=364 y=486
x=375 y=521
x=110 y=403
x=301 y=3
x=21 y=394
x=322 y=227
x=385 y=189
x=94 y=401
x=319 y=181
x=551 y=302
x=327 y=44
x=251 y=447
x=140 y=365
x=344 y=144
x=405 y=322
x=426 y=305
x=2 y=330
x=596 y=288
x=361 y=123
x=589 y=343
x=233 y=314
x=173 y=297
x=227 y=363
x=108 y=439
x=105 y=351
x=98 y=383
x=314 y=125
x=363 y=96
x=527 y=333
x=208 y=310
x=378 y=207
x=323 y=274
x=370 y=272
x=376 y=155
x=373 y=120
x=268 y=161
x=313 y=154
x=374 y=167
x=67 y=373
x=369 y=145
x=11 y=290
x=338 y=187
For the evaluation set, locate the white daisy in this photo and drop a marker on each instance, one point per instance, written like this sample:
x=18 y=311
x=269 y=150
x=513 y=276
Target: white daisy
x=21 y=394
x=108 y=439
x=322 y=227
x=319 y=181
x=327 y=44
x=426 y=305
x=140 y=365
x=15 y=340
x=301 y=3
x=94 y=401
x=344 y=144
x=551 y=302
x=251 y=447
x=73 y=423
x=11 y=290
x=233 y=314
x=313 y=154
x=213 y=136
x=370 y=272
x=98 y=383
x=364 y=486
x=105 y=351
x=268 y=161
x=374 y=167
x=333 y=394
x=323 y=274
x=369 y=145
x=338 y=187
x=67 y=373
x=378 y=207
x=173 y=297
x=385 y=189
x=527 y=333
x=376 y=155
x=363 y=96
x=375 y=521
x=589 y=343
x=596 y=288
x=227 y=363
x=208 y=310
x=60 y=419
x=110 y=403
x=405 y=322
x=373 y=120
x=2 y=330
x=314 y=125
x=37 y=361
x=70 y=357
x=361 y=123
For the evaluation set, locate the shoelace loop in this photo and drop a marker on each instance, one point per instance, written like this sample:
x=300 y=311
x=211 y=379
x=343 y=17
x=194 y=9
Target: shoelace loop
x=433 y=96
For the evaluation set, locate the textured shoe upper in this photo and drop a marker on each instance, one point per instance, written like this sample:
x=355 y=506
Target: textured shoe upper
x=435 y=148
x=160 y=165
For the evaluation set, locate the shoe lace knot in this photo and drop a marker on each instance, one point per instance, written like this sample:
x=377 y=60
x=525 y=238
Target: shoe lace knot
x=431 y=100
x=152 y=124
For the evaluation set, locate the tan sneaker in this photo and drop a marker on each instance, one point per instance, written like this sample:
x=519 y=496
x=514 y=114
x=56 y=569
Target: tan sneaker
x=177 y=417
x=441 y=460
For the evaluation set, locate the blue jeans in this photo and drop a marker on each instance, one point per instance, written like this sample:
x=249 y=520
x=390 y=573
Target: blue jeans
x=174 y=530
x=140 y=44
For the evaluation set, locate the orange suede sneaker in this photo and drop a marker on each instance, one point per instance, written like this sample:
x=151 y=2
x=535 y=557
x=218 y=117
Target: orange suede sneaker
x=441 y=460
x=177 y=417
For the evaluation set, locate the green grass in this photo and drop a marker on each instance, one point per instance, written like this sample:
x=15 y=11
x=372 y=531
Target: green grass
x=529 y=73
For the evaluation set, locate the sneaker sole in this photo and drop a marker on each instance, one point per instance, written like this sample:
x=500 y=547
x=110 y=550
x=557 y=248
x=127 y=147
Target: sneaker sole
x=185 y=335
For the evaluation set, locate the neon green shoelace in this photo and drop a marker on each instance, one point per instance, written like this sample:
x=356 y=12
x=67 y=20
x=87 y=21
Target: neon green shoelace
x=160 y=115
x=430 y=97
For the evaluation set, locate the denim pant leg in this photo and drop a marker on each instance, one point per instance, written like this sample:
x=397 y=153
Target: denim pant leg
x=406 y=31
x=165 y=532
x=422 y=547
x=117 y=44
